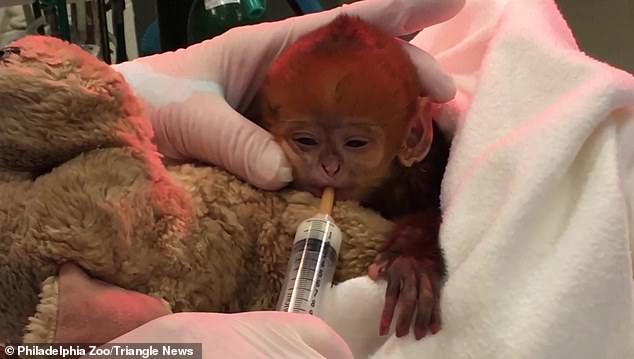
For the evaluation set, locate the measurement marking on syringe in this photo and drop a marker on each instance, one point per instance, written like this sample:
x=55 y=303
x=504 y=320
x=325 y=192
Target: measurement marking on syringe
x=311 y=265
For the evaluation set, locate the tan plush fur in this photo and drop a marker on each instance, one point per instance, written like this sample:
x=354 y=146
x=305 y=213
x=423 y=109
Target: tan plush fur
x=81 y=181
x=42 y=325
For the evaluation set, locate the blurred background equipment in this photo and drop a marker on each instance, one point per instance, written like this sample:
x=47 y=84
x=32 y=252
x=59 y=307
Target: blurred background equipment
x=119 y=30
x=210 y=18
x=84 y=22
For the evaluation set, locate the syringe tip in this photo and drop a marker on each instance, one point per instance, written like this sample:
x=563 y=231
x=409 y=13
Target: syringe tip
x=327 y=201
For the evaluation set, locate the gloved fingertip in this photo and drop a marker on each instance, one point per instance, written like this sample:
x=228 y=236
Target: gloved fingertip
x=450 y=8
x=423 y=14
x=436 y=83
x=270 y=169
x=285 y=174
x=445 y=90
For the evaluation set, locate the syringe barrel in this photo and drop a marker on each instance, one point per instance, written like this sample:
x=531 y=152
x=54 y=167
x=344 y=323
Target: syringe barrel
x=312 y=264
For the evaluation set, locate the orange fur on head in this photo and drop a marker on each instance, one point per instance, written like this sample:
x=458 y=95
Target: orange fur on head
x=347 y=68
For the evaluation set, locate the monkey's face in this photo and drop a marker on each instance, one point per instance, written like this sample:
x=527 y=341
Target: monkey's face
x=350 y=156
x=342 y=102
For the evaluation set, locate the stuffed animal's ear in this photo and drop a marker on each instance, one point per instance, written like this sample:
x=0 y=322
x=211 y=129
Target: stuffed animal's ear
x=420 y=135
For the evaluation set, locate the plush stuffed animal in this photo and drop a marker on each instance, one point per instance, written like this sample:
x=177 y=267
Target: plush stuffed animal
x=81 y=182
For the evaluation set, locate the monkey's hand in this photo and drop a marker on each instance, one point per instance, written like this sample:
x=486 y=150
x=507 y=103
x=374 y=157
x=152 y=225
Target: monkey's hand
x=411 y=262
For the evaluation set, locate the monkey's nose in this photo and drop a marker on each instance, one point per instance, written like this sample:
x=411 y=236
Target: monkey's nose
x=331 y=169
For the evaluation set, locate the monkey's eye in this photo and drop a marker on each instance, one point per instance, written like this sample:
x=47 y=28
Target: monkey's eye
x=305 y=141
x=356 y=143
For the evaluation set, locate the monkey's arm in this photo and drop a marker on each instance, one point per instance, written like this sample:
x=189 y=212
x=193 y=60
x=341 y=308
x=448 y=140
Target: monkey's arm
x=411 y=259
x=413 y=265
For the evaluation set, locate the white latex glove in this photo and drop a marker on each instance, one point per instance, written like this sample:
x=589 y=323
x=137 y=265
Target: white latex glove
x=245 y=335
x=193 y=95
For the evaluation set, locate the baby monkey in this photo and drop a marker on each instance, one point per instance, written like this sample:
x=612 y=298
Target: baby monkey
x=345 y=104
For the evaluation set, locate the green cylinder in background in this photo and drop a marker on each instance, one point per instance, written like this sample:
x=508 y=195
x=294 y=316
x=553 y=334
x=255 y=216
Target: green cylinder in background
x=210 y=18
x=254 y=9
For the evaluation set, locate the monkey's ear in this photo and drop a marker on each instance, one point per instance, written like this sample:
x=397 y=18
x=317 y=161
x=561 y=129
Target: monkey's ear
x=420 y=135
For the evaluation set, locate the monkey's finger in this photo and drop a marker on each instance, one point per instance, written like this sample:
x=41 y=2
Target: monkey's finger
x=384 y=258
x=436 y=322
x=426 y=304
x=407 y=300
x=382 y=261
x=376 y=271
x=391 y=298
x=435 y=82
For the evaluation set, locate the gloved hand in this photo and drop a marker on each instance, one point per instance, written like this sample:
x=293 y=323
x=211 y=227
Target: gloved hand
x=245 y=335
x=193 y=96
x=90 y=311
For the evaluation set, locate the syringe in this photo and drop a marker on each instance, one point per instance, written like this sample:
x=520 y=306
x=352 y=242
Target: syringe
x=311 y=267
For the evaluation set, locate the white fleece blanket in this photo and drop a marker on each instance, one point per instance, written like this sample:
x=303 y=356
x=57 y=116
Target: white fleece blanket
x=537 y=198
